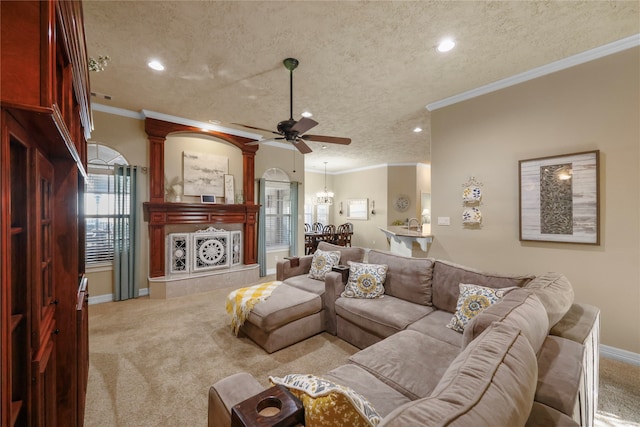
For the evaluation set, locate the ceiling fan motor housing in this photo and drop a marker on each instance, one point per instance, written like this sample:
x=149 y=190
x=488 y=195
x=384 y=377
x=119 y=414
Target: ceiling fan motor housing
x=284 y=128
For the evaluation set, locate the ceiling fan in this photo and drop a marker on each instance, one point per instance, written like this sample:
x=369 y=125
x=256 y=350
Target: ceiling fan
x=292 y=130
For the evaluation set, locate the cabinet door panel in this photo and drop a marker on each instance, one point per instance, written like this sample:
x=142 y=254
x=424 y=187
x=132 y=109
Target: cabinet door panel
x=44 y=301
x=43 y=399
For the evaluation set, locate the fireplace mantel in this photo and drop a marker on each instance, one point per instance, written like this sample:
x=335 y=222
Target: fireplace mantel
x=159 y=213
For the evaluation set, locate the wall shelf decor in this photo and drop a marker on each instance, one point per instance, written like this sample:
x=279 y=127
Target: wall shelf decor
x=559 y=198
x=471 y=200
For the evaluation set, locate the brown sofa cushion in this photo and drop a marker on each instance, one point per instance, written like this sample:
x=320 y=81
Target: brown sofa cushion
x=577 y=325
x=544 y=416
x=407 y=278
x=448 y=276
x=409 y=362
x=521 y=308
x=559 y=374
x=383 y=398
x=382 y=316
x=491 y=383
x=346 y=253
x=285 y=305
x=435 y=325
x=555 y=293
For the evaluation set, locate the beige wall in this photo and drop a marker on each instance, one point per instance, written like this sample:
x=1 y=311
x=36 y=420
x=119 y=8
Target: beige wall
x=594 y=106
x=127 y=136
x=371 y=184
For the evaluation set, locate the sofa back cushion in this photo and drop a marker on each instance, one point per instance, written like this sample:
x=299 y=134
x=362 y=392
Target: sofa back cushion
x=555 y=293
x=492 y=382
x=407 y=278
x=346 y=253
x=448 y=276
x=520 y=308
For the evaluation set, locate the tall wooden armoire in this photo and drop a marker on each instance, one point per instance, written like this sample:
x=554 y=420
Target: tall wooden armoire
x=44 y=124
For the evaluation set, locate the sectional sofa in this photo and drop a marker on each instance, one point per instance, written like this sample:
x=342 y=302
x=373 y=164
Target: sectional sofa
x=531 y=358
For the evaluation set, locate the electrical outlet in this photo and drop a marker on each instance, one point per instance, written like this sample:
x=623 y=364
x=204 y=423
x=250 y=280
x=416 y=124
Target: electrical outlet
x=444 y=220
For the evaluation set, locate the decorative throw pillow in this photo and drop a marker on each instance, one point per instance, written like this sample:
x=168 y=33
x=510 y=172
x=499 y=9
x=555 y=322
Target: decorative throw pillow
x=322 y=263
x=365 y=280
x=327 y=403
x=473 y=300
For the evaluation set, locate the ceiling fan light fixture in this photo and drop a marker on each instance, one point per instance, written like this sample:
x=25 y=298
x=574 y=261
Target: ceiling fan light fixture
x=306 y=114
x=446 y=45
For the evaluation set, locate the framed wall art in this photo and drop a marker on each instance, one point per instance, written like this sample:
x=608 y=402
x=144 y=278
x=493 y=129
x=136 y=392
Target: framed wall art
x=560 y=198
x=358 y=209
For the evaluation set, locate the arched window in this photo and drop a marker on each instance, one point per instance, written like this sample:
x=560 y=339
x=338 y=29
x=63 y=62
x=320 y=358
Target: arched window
x=277 y=209
x=99 y=203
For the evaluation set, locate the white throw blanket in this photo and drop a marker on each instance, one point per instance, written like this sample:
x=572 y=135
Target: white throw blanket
x=241 y=301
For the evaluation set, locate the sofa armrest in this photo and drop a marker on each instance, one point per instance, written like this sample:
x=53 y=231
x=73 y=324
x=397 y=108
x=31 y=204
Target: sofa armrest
x=334 y=284
x=227 y=393
x=284 y=269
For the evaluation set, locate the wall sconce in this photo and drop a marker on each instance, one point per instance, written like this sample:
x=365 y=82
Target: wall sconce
x=373 y=207
x=340 y=211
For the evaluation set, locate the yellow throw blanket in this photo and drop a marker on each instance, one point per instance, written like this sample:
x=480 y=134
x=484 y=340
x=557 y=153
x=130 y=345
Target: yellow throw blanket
x=241 y=301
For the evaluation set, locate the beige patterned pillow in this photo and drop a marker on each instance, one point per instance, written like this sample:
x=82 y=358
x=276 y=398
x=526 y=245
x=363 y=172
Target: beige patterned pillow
x=365 y=280
x=322 y=263
x=472 y=301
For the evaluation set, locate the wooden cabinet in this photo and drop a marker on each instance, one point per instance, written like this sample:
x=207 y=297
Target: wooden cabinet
x=44 y=123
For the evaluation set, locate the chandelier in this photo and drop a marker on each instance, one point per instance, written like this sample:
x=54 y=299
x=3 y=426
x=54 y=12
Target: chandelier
x=324 y=197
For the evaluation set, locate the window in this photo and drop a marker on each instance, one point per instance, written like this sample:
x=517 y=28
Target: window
x=99 y=202
x=277 y=209
x=322 y=214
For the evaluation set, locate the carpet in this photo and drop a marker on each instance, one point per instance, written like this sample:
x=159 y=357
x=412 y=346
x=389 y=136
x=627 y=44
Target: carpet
x=152 y=363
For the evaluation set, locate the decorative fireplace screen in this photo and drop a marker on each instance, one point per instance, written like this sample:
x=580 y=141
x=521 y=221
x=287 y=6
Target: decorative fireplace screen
x=203 y=250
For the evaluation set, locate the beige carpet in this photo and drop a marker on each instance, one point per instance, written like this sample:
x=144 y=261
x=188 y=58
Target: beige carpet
x=152 y=363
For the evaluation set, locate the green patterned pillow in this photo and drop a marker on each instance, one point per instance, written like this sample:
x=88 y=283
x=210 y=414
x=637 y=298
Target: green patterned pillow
x=365 y=280
x=322 y=263
x=472 y=301
x=327 y=403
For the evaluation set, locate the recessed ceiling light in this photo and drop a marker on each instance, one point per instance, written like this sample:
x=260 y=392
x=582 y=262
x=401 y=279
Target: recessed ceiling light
x=156 y=65
x=215 y=122
x=446 y=45
x=306 y=114
x=417 y=129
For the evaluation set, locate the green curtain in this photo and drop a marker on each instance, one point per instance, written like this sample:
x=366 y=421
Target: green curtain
x=125 y=224
x=262 y=236
x=293 y=237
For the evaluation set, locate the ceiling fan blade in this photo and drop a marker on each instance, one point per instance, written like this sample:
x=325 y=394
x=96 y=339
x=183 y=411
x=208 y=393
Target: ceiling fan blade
x=329 y=139
x=256 y=128
x=301 y=146
x=264 y=140
x=303 y=125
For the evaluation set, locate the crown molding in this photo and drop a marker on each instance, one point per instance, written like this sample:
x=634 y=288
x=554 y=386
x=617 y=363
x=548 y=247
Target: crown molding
x=568 y=62
x=173 y=119
x=201 y=125
x=116 y=111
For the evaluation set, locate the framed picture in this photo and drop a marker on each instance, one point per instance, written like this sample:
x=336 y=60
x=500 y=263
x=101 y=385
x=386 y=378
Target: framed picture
x=358 y=209
x=209 y=199
x=560 y=198
x=229 y=191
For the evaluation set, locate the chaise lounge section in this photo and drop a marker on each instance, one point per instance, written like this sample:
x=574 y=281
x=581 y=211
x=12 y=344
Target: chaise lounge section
x=528 y=359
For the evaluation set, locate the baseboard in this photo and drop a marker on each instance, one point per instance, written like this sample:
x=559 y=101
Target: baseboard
x=619 y=355
x=100 y=299
x=271 y=271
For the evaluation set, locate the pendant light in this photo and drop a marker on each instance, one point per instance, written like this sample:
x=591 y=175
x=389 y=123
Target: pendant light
x=324 y=197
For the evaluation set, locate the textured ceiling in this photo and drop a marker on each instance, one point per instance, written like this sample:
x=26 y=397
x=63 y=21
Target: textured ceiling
x=367 y=69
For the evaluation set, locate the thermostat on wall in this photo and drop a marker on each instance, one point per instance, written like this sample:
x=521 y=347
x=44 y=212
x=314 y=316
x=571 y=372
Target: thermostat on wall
x=207 y=198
